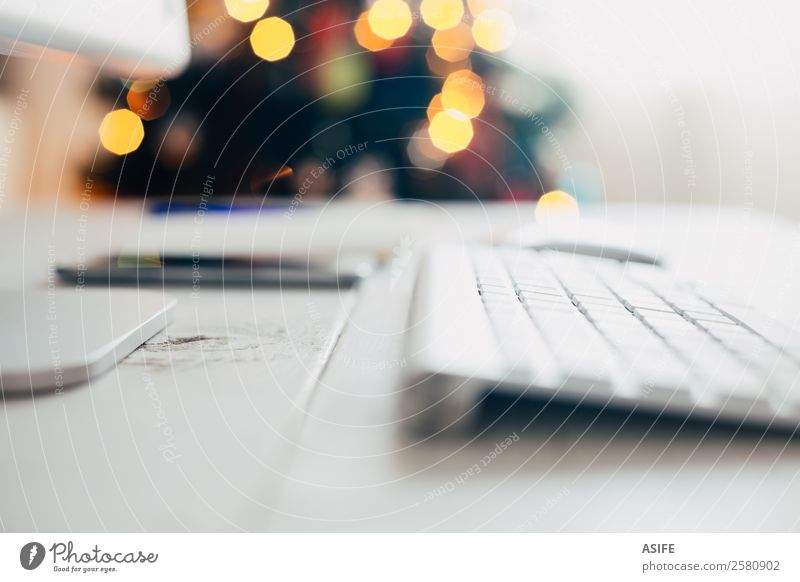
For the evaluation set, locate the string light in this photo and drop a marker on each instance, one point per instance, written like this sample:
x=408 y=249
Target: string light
x=149 y=99
x=451 y=131
x=422 y=153
x=246 y=10
x=366 y=37
x=442 y=14
x=478 y=6
x=441 y=67
x=463 y=91
x=435 y=106
x=556 y=206
x=494 y=30
x=390 y=19
x=121 y=131
x=272 y=39
x=454 y=44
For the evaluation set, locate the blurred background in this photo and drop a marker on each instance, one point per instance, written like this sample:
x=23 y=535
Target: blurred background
x=441 y=99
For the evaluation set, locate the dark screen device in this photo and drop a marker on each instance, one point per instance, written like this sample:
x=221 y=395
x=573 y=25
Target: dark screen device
x=196 y=270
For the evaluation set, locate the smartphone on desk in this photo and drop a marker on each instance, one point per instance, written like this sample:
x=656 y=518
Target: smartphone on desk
x=267 y=271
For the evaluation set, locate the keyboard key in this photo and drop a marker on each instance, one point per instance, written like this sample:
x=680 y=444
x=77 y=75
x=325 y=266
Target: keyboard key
x=586 y=359
x=598 y=328
x=725 y=385
x=659 y=379
x=707 y=320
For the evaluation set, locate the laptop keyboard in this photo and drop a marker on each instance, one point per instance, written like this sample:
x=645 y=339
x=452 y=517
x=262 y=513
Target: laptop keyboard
x=599 y=328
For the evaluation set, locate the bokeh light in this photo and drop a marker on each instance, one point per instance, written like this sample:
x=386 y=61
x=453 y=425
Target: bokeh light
x=368 y=39
x=421 y=151
x=494 y=30
x=246 y=10
x=442 y=14
x=121 y=132
x=451 y=131
x=435 y=106
x=140 y=85
x=149 y=100
x=343 y=81
x=478 y=6
x=442 y=68
x=272 y=39
x=556 y=206
x=463 y=91
x=181 y=141
x=390 y=19
x=454 y=44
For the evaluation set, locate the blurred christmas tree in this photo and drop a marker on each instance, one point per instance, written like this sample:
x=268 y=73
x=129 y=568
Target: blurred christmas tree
x=337 y=98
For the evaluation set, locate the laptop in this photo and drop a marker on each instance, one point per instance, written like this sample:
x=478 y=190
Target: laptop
x=56 y=336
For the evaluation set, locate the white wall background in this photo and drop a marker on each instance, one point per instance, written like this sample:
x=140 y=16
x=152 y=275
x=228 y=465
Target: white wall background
x=675 y=100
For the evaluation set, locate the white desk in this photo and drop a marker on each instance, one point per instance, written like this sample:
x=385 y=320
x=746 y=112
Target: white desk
x=233 y=421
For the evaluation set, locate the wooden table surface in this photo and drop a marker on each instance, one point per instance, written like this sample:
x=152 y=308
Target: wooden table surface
x=250 y=412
